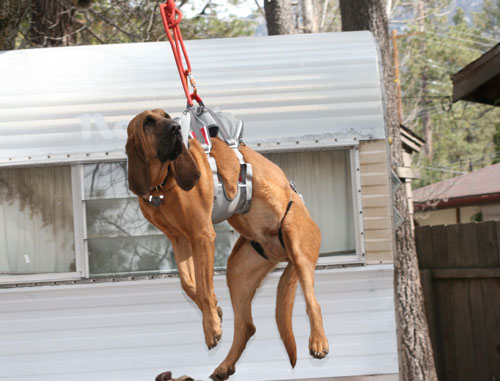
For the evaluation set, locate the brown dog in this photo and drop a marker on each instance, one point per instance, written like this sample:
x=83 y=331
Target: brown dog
x=160 y=165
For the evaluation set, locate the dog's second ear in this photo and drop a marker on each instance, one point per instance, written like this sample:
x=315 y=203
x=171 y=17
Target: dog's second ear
x=138 y=172
x=186 y=172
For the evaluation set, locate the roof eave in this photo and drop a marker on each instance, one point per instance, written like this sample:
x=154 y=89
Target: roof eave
x=479 y=81
x=456 y=202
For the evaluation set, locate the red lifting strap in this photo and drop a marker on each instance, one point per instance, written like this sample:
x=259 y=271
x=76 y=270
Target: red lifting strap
x=171 y=17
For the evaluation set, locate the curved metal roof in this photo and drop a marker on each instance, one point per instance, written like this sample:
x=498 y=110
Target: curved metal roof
x=292 y=92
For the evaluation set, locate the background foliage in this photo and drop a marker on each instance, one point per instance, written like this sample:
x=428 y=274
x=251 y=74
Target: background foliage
x=442 y=37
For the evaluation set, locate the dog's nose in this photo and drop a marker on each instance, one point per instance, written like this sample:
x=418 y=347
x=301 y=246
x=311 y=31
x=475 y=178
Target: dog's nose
x=174 y=127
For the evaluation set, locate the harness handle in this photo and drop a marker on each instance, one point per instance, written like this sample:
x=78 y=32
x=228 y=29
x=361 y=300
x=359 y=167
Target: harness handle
x=171 y=17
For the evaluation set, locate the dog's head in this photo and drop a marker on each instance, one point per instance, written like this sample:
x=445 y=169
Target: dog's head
x=153 y=136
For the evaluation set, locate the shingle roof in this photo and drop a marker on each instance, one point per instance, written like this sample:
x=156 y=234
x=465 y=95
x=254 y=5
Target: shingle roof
x=479 y=185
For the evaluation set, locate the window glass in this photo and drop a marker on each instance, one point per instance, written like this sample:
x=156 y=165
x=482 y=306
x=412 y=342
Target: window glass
x=36 y=210
x=119 y=238
x=324 y=180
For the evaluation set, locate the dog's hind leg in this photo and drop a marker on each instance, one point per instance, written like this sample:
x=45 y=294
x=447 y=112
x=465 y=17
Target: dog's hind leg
x=245 y=270
x=302 y=240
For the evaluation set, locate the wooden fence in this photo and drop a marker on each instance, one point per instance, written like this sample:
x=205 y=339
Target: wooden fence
x=460 y=273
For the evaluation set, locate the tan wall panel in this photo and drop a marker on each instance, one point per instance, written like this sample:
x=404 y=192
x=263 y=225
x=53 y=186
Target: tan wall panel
x=383 y=211
x=377 y=178
x=380 y=257
x=376 y=200
x=373 y=167
x=378 y=245
x=376 y=223
x=378 y=234
x=372 y=190
x=377 y=156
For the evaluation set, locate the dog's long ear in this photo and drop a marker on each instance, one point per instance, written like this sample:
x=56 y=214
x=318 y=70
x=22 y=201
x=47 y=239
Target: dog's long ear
x=138 y=172
x=186 y=172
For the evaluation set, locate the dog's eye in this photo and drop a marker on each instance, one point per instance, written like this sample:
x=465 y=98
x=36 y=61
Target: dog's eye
x=165 y=115
x=149 y=122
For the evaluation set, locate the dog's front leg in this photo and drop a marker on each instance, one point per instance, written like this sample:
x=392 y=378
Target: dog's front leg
x=185 y=264
x=203 y=248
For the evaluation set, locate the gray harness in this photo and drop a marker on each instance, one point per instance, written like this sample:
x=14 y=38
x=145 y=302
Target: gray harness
x=202 y=123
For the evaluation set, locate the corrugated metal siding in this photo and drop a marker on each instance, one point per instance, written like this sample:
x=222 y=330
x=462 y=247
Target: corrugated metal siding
x=321 y=89
x=376 y=199
x=135 y=330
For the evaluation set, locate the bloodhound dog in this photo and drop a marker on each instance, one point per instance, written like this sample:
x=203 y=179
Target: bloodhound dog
x=161 y=166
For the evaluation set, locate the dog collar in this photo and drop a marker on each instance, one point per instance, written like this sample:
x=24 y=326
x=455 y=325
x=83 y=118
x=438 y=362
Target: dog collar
x=160 y=187
x=156 y=201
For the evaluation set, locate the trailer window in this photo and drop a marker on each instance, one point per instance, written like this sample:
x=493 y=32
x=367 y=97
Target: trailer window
x=36 y=210
x=324 y=180
x=119 y=239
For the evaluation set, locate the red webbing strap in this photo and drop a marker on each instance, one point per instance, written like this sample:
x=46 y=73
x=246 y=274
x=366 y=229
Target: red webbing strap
x=171 y=17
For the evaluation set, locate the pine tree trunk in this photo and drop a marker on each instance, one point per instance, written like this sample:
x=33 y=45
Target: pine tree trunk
x=279 y=17
x=11 y=14
x=52 y=22
x=415 y=350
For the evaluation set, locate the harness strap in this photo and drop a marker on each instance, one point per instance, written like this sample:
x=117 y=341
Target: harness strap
x=280 y=232
x=258 y=247
x=225 y=136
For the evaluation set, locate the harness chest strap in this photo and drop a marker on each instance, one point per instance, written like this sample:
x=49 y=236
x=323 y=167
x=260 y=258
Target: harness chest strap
x=258 y=247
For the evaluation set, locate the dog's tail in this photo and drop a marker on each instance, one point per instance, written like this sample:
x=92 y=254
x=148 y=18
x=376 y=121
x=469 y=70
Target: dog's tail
x=284 y=307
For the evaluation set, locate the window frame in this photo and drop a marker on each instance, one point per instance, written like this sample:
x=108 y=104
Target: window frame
x=80 y=227
x=359 y=255
x=81 y=260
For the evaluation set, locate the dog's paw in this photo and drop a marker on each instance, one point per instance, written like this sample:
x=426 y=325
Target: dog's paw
x=222 y=373
x=165 y=376
x=212 y=328
x=219 y=312
x=213 y=343
x=318 y=347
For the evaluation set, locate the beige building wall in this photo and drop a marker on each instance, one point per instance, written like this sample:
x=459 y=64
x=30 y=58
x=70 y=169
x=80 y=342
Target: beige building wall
x=376 y=200
x=449 y=216
x=491 y=212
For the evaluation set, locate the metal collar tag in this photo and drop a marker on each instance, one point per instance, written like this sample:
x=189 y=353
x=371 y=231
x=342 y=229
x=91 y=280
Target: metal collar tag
x=156 y=201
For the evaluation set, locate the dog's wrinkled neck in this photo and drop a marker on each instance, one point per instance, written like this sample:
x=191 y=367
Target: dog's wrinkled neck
x=158 y=171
